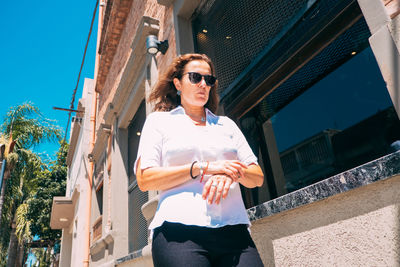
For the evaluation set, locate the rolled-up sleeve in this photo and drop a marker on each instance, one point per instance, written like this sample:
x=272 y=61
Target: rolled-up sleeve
x=150 y=144
x=244 y=152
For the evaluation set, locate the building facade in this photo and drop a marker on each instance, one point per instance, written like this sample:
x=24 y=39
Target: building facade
x=313 y=84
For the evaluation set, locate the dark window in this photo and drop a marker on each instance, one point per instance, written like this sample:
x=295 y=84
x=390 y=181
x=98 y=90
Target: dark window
x=134 y=131
x=137 y=223
x=99 y=197
x=98 y=183
x=342 y=121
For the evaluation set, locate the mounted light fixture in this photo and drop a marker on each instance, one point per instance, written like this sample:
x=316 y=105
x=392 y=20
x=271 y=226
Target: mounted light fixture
x=153 y=45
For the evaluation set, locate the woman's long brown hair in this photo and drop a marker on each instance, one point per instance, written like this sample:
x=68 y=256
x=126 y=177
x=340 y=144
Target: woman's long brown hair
x=164 y=94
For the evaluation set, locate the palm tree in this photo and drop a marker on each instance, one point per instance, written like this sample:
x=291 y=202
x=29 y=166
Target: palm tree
x=24 y=127
x=42 y=256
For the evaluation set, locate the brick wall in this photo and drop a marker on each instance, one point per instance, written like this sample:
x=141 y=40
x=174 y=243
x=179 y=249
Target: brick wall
x=115 y=68
x=168 y=33
x=113 y=25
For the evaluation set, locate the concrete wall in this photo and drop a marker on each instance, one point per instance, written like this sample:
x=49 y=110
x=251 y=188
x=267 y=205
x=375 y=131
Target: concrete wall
x=66 y=248
x=383 y=20
x=358 y=228
x=79 y=160
x=72 y=243
x=115 y=206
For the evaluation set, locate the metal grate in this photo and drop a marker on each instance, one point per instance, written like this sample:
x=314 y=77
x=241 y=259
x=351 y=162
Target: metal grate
x=339 y=51
x=237 y=31
x=137 y=223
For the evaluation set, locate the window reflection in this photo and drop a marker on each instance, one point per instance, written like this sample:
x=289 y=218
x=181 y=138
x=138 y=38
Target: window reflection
x=342 y=121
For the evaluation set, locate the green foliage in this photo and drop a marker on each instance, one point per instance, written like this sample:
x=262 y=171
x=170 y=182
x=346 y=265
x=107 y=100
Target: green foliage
x=25 y=170
x=50 y=183
x=42 y=256
x=23 y=230
x=28 y=126
x=11 y=187
x=12 y=159
x=19 y=187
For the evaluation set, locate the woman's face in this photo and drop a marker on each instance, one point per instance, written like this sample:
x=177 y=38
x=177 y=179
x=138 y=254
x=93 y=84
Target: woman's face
x=195 y=95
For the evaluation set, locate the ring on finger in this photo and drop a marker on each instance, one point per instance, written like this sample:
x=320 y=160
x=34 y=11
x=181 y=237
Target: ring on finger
x=214 y=184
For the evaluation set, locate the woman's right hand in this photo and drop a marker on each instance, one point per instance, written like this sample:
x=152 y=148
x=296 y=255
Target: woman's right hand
x=232 y=168
x=216 y=187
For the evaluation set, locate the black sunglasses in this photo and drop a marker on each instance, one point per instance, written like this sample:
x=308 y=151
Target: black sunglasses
x=195 y=78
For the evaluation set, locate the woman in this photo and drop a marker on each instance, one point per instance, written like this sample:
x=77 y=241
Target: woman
x=197 y=160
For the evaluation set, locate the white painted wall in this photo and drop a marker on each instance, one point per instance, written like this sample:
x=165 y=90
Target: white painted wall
x=73 y=238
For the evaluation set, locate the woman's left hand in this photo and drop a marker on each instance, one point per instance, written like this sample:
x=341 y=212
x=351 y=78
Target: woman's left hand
x=217 y=186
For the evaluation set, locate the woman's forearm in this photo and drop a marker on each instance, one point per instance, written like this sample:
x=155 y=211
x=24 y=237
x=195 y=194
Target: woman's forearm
x=162 y=178
x=253 y=176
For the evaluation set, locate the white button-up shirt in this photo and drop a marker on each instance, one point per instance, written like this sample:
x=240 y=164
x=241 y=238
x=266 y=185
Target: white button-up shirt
x=172 y=139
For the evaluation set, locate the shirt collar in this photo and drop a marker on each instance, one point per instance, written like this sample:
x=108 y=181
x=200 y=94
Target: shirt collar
x=179 y=110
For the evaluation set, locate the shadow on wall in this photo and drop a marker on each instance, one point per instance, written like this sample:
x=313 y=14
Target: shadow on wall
x=99 y=255
x=396 y=75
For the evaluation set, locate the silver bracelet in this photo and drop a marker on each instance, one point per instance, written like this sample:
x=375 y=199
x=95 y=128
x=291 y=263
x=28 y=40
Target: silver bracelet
x=201 y=168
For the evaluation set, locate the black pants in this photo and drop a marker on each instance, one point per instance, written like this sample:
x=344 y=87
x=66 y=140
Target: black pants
x=178 y=245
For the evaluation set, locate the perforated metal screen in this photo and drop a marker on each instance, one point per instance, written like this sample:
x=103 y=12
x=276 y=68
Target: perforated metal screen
x=137 y=223
x=355 y=39
x=138 y=233
x=234 y=32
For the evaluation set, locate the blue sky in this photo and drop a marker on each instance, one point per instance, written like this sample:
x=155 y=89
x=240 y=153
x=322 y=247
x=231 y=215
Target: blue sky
x=42 y=44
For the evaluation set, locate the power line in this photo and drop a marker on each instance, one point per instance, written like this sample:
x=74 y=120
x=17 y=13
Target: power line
x=80 y=70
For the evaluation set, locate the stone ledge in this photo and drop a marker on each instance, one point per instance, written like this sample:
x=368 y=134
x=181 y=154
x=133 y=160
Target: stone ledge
x=377 y=170
x=144 y=252
x=149 y=208
x=109 y=238
x=100 y=244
